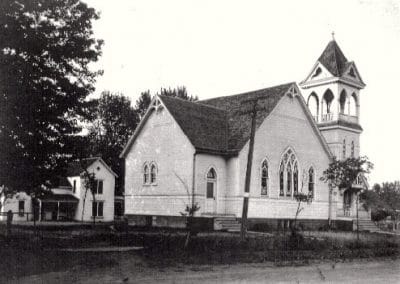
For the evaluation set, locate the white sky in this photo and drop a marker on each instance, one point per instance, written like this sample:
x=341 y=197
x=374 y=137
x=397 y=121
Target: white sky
x=217 y=48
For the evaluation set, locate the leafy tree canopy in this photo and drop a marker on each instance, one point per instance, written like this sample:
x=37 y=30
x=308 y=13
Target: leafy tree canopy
x=46 y=47
x=113 y=122
x=343 y=173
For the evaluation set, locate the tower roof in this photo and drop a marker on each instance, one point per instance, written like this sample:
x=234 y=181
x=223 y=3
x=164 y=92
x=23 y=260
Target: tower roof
x=333 y=59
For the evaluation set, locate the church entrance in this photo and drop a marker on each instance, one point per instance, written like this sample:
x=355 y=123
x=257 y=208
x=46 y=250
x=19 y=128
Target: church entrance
x=347 y=199
x=211 y=192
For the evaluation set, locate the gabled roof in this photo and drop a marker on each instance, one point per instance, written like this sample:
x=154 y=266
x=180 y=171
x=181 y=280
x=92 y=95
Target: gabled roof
x=222 y=125
x=239 y=111
x=205 y=126
x=75 y=168
x=333 y=59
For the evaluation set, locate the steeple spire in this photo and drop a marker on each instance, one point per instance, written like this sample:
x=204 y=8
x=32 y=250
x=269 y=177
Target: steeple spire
x=333 y=35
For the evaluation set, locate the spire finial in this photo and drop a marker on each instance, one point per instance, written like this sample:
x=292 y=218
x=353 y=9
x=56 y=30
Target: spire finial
x=333 y=35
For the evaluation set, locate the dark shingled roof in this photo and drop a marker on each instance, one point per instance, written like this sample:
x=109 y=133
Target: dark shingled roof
x=333 y=59
x=60 y=198
x=75 y=168
x=222 y=124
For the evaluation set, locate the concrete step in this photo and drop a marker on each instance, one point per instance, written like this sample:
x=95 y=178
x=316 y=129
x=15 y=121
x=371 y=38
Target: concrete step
x=226 y=223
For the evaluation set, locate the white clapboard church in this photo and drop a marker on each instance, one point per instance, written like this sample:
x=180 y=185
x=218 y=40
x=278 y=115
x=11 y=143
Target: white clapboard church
x=184 y=152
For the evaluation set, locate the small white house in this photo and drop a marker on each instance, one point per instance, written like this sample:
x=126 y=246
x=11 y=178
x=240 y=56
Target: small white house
x=70 y=200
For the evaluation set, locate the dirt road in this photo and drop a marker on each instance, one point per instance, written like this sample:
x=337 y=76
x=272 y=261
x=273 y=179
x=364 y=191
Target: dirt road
x=381 y=271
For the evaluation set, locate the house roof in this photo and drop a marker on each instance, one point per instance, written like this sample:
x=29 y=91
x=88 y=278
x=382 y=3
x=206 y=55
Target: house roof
x=60 y=198
x=222 y=125
x=75 y=168
x=333 y=59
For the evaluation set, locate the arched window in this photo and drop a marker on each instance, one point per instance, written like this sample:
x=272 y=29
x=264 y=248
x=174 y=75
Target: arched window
x=264 y=178
x=288 y=174
x=327 y=101
x=352 y=149
x=311 y=181
x=295 y=179
x=353 y=105
x=153 y=173
x=211 y=181
x=344 y=149
x=342 y=102
x=281 y=181
x=313 y=104
x=146 y=174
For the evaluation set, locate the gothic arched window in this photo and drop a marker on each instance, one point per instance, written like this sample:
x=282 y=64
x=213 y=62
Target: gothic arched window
x=211 y=182
x=264 y=178
x=153 y=173
x=344 y=149
x=353 y=105
x=313 y=104
x=146 y=174
x=327 y=101
x=311 y=181
x=352 y=149
x=342 y=102
x=288 y=174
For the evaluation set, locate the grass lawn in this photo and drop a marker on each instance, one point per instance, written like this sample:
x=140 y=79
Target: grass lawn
x=29 y=252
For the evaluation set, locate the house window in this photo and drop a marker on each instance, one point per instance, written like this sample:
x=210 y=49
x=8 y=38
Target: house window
x=344 y=149
x=288 y=174
x=99 y=187
x=146 y=174
x=264 y=178
x=153 y=173
x=74 y=187
x=311 y=182
x=21 y=208
x=97 y=208
x=211 y=180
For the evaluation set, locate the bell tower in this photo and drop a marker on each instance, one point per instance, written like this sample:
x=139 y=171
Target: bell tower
x=332 y=93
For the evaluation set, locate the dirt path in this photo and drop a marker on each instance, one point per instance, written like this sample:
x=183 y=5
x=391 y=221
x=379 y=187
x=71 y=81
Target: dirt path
x=382 y=271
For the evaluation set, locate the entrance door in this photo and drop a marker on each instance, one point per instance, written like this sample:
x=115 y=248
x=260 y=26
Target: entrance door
x=211 y=192
x=347 y=202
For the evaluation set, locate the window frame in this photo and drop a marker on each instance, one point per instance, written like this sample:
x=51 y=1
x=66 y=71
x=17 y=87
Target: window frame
x=288 y=164
x=311 y=181
x=264 y=166
x=153 y=176
x=146 y=174
x=211 y=180
x=21 y=211
x=98 y=181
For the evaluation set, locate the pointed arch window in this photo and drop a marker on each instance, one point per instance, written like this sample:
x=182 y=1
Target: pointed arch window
x=343 y=102
x=264 y=178
x=313 y=105
x=352 y=149
x=344 y=149
x=311 y=181
x=153 y=173
x=146 y=174
x=281 y=180
x=288 y=174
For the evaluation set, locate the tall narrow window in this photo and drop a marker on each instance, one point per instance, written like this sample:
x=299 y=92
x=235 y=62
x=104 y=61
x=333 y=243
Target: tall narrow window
x=289 y=181
x=264 y=178
x=153 y=173
x=344 y=149
x=211 y=180
x=74 y=188
x=352 y=149
x=281 y=185
x=146 y=174
x=311 y=181
x=99 y=187
x=296 y=179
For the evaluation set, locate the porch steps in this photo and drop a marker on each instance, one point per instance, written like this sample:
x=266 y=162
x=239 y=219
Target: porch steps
x=226 y=223
x=365 y=225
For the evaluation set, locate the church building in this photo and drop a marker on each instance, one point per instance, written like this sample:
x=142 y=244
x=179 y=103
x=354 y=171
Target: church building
x=185 y=153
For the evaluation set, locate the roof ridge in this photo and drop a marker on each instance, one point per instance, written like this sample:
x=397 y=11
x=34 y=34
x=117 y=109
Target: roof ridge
x=193 y=102
x=250 y=92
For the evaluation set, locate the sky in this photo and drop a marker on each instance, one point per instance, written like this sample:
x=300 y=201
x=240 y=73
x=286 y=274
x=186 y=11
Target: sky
x=224 y=47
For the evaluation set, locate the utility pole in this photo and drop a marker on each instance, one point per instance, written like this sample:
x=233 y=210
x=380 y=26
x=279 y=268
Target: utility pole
x=243 y=228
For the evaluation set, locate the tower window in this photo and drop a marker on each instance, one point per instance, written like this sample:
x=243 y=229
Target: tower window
x=264 y=178
x=352 y=149
x=344 y=149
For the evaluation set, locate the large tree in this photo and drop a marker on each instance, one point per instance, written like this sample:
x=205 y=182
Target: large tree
x=46 y=47
x=114 y=121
